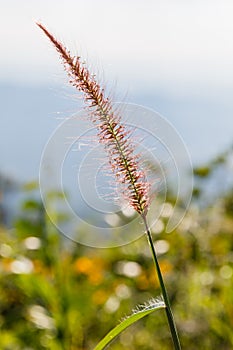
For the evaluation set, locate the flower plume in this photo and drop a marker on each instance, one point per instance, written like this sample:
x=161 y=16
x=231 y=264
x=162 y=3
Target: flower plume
x=111 y=131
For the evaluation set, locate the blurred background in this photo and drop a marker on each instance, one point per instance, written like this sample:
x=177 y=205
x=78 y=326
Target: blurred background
x=175 y=57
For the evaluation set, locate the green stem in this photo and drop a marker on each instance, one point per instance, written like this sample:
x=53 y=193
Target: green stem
x=169 y=314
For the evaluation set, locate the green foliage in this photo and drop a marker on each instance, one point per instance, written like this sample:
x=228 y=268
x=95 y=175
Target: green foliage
x=59 y=295
x=203 y=171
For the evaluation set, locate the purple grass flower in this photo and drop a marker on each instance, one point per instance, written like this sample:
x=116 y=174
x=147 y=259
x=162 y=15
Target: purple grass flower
x=112 y=133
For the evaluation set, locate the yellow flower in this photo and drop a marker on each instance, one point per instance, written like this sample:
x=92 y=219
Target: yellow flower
x=99 y=297
x=83 y=265
x=93 y=268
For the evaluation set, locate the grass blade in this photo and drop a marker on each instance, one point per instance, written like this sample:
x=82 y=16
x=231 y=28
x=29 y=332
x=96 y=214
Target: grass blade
x=139 y=313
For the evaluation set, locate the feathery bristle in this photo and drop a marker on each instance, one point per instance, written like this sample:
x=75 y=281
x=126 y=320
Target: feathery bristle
x=112 y=133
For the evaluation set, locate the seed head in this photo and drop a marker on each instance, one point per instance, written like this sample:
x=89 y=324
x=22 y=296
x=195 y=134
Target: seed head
x=112 y=133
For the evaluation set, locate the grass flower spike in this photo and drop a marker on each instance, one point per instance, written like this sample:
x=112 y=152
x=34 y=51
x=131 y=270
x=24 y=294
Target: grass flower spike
x=112 y=133
x=121 y=152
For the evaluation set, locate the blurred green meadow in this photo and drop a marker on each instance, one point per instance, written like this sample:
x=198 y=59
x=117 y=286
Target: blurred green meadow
x=60 y=295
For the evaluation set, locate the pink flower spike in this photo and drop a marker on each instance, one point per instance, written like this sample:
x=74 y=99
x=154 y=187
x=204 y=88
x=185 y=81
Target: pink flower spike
x=111 y=132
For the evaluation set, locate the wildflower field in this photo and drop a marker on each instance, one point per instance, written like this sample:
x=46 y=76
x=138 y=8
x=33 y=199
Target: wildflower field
x=58 y=294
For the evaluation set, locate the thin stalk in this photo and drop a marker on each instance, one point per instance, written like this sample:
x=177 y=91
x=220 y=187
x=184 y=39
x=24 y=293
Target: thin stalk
x=121 y=154
x=168 y=310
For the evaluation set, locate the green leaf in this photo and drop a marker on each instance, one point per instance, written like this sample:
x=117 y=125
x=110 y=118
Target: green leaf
x=139 y=313
x=31 y=204
x=202 y=172
x=31 y=186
